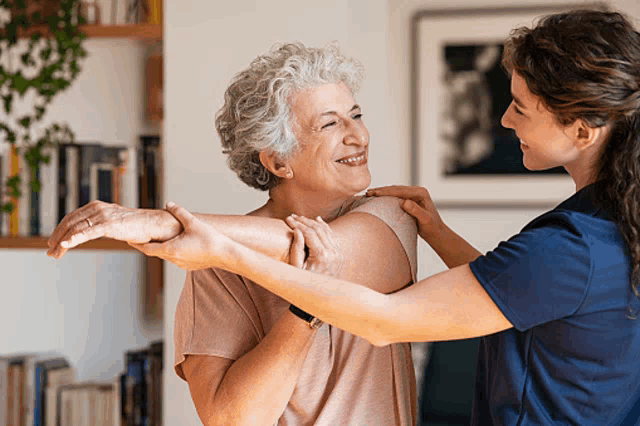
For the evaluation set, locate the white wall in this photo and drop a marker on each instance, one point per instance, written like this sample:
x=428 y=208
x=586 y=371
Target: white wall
x=207 y=42
x=88 y=305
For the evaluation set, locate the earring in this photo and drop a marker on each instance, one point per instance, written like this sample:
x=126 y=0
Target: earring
x=289 y=174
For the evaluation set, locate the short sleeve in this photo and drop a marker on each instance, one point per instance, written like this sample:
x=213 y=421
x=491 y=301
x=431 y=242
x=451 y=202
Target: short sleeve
x=539 y=275
x=215 y=315
x=389 y=210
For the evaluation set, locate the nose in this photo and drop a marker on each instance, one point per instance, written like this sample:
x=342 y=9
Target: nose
x=506 y=119
x=357 y=133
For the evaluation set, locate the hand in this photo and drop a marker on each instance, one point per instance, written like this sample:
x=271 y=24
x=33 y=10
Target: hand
x=324 y=253
x=418 y=204
x=194 y=248
x=99 y=219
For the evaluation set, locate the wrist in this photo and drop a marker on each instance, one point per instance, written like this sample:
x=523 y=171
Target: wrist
x=167 y=226
x=313 y=322
x=435 y=233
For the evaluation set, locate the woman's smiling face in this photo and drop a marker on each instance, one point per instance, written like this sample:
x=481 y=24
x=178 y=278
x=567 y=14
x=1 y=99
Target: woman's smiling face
x=544 y=142
x=333 y=142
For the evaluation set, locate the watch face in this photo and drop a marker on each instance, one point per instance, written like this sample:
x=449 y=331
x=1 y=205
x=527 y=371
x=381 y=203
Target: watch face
x=315 y=323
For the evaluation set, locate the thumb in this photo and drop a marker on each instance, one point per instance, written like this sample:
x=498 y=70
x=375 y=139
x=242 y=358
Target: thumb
x=150 y=249
x=415 y=210
x=180 y=213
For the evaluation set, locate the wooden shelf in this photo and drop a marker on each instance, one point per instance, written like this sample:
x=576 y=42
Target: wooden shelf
x=130 y=31
x=41 y=243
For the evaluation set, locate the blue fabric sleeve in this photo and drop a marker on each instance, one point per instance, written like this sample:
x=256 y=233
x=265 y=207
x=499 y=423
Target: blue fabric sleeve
x=539 y=275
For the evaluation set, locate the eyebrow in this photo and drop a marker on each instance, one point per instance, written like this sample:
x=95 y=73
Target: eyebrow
x=356 y=106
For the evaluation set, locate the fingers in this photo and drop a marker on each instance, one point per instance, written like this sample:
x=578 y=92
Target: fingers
x=78 y=233
x=416 y=210
x=415 y=193
x=180 y=213
x=296 y=252
x=76 y=216
x=317 y=233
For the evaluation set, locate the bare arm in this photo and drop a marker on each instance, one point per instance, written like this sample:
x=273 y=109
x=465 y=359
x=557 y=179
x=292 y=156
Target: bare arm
x=372 y=254
x=255 y=389
x=99 y=219
x=449 y=305
x=383 y=265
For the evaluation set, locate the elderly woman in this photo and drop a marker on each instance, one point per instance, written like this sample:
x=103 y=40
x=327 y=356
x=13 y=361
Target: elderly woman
x=290 y=126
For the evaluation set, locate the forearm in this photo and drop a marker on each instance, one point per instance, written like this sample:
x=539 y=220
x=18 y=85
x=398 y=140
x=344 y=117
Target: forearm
x=451 y=247
x=258 y=386
x=352 y=307
x=271 y=237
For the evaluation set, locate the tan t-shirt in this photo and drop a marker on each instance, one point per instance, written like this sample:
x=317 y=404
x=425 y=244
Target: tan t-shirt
x=345 y=380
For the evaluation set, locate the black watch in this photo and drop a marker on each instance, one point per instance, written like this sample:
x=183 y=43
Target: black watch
x=310 y=319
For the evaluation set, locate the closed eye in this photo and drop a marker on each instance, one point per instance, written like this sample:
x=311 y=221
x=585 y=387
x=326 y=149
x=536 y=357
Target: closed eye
x=518 y=111
x=357 y=116
x=329 y=124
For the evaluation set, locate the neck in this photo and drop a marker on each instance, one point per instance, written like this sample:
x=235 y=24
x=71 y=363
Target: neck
x=284 y=201
x=584 y=170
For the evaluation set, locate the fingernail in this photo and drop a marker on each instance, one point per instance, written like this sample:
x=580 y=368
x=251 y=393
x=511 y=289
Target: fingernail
x=64 y=244
x=293 y=215
x=319 y=219
x=170 y=204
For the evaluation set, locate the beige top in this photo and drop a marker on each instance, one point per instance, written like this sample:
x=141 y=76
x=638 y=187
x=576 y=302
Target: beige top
x=345 y=380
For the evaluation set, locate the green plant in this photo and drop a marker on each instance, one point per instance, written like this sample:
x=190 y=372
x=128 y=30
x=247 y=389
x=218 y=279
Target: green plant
x=45 y=63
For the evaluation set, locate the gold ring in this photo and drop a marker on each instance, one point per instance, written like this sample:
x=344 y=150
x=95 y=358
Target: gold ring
x=89 y=222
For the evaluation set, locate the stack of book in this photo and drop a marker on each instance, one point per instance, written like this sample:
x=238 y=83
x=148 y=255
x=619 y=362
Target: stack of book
x=76 y=174
x=140 y=387
x=41 y=389
x=28 y=383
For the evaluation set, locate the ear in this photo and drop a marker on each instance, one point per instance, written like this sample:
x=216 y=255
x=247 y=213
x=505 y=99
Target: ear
x=275 y=165
x=585 y=136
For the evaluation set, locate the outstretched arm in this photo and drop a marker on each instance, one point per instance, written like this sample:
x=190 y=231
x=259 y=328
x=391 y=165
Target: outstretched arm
x=449 y=305
x=99 y=219
x=373 y=255
x=383 y=265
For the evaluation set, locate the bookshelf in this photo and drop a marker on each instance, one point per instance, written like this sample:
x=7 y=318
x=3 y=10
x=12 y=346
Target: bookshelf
x=140 y=32
x=18 y=243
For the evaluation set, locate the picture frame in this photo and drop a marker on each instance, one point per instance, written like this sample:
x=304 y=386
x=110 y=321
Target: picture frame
x=459 y=150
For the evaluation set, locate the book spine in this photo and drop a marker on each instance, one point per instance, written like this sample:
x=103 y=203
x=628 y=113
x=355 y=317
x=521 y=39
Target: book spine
x=24 y=210
x=72 y=178
x=62 y=183
x=29 y=391
x=14 y=171
x=136 y=389
x=49 y=194
x=4 y=391
x=39 y=395
x=34 y=206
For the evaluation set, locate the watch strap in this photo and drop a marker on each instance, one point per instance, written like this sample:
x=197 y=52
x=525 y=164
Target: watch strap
x=308 y=318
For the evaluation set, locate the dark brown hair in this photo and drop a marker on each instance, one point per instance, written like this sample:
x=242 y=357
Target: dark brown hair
x=585 y=64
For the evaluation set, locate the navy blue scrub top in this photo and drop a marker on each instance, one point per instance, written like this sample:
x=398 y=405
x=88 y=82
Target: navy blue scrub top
x=573 y=356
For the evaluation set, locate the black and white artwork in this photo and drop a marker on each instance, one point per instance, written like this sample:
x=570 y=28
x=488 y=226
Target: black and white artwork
x=476 y=94
x=462 y=154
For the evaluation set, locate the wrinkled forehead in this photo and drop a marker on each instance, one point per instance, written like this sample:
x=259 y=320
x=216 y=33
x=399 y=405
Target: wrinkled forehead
x=314 y=102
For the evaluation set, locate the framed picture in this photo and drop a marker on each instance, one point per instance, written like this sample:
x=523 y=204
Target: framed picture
x=460 y=151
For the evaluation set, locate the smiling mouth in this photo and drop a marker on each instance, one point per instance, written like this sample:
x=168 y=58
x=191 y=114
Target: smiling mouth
x=356 y=160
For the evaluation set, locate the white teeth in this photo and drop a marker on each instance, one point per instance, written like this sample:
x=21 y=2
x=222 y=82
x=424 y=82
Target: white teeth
x=352 y=160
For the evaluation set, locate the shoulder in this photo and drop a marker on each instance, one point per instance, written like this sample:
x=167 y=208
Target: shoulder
x=387 y=209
